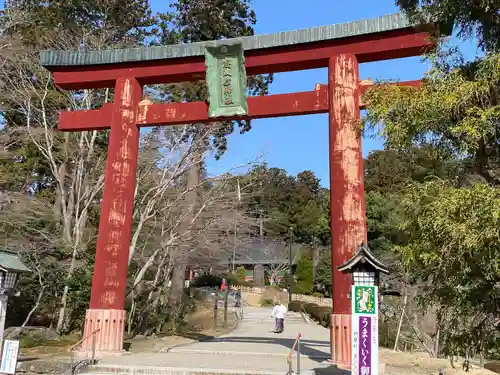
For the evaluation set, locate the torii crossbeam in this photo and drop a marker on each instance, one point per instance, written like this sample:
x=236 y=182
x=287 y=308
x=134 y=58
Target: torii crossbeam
x=338 y=47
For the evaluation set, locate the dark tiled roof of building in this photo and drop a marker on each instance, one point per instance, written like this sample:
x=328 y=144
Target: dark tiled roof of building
x=258 y=251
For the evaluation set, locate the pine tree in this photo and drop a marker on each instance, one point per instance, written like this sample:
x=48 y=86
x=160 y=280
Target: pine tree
x=304 y=276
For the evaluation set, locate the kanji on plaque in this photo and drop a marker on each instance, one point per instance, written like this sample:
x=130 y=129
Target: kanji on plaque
x=364 y=330
x=365 y=346
x=226 y=80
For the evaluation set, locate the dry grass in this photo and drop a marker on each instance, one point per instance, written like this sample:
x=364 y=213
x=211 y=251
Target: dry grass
x=399 y=363
x=268 y=294
x=199 y=327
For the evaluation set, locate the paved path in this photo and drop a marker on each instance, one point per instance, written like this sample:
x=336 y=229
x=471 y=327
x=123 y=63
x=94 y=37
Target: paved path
x=252 y=348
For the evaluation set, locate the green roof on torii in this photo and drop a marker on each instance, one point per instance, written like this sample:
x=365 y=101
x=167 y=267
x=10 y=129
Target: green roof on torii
x=391 y=22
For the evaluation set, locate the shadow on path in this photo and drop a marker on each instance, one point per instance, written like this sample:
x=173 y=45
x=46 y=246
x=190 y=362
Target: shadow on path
x=306 y=346
x=330 y=370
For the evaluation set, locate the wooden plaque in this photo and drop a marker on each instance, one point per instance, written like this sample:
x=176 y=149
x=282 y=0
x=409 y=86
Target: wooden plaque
x=226 y=80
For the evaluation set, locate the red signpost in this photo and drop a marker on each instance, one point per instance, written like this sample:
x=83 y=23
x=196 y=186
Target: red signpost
x=332 y=46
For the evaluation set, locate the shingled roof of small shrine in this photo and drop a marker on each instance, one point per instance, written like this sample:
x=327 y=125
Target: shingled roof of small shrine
x=257 y=251
x=380 y=24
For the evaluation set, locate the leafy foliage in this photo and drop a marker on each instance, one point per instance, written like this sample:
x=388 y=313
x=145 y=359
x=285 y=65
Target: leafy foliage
x=482 y=17
x=324 y=270
x=455 y=113
x=207 y=280
x=111 y=22
x=200 y=21
x=453 y=250
x=284 y=202
x=433 y=195
x=240 y=273
x=304 y=276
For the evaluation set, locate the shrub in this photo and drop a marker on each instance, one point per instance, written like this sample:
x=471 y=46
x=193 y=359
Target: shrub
x=286 y=281
x=321 y=314
x=266 y=279
x=207 y=279
x=304 y=276
x=295 y=306
x=266 y=301
x=230 y=277
x=240 y=274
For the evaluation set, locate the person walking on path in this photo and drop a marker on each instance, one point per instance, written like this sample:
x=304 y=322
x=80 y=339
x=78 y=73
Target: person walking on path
x=238 y=303
x=279 y=312
x=223 y=286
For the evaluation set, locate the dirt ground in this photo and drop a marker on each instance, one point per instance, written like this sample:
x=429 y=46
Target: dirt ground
x=398 y=363
x=199 y=326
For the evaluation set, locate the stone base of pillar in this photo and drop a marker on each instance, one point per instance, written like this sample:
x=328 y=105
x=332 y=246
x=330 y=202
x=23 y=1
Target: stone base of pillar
x=103 y=333
x=340 y=340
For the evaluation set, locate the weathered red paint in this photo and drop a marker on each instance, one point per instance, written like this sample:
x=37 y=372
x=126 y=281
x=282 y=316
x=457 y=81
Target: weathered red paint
x=115 y=226
x=104 y=330
x=364 y=85
x=280 y=105
x=347 y=202
x=340 y=98
x=300 y=103
x=340 y=339
x=86 y=119
x=367 y=48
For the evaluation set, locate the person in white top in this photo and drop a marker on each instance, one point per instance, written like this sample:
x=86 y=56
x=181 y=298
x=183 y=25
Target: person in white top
x=279 y=312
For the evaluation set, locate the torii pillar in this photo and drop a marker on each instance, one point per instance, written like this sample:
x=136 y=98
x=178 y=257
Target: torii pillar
x=105 y=318
x=347 y=202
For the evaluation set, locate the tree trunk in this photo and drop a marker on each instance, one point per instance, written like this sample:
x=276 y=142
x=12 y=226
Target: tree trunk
x=481 y=348
x=161 y=298
x=131 y=314
x=436 y=346
x=396 y=341
x=64 y=298
x=261 y=226
x=182 y=256
x=33 y=309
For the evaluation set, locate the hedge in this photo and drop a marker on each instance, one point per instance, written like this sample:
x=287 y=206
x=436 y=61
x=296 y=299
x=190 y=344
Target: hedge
x=321 y=314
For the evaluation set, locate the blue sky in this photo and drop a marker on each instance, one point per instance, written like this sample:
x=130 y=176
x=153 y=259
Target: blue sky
x=299 y=143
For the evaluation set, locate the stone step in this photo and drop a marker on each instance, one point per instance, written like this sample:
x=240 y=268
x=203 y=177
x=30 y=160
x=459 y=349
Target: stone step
x=151 y=370
x=175 y=371
x=248 y=354
x=208 y=362
x=248 y=319
x=263 y=317
x=269 y=321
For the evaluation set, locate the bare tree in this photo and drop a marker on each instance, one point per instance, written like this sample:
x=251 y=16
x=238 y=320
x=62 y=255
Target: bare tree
x=170 y=232
x=71 y=163
x=37 y=267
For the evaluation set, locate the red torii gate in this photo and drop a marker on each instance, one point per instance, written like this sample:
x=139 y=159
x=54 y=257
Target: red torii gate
x=339 y=47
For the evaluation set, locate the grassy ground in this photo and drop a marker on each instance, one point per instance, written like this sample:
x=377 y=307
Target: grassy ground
x=32 y=346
